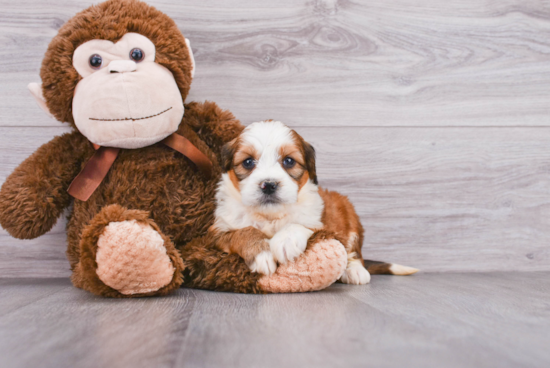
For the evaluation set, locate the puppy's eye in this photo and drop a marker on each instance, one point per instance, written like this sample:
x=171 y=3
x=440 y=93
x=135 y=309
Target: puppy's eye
x=137 y=55
x=95 y=61
x=289 y=163
x=249 y=163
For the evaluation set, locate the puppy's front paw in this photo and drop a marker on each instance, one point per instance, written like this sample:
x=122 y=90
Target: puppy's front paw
x=289 y=243
x=355 y=274
x=263 y=263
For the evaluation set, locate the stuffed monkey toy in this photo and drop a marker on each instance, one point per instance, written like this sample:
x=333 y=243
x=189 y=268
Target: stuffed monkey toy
x=140 y=167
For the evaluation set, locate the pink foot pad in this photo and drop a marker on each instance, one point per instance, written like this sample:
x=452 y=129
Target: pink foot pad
x=131 y=258
x=319 y=267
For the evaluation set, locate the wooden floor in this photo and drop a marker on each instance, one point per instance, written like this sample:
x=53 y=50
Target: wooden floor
x=427 y=320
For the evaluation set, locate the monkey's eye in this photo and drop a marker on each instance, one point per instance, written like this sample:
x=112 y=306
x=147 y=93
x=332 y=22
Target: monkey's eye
x=137 y=55
x=289 y=163
x=95 y=61
x=249 y=163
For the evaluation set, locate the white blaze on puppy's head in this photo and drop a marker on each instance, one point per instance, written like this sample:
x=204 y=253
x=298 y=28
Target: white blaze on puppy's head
x=269 y=164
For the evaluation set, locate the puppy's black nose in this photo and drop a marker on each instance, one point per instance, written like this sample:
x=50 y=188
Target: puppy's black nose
x=269 y=187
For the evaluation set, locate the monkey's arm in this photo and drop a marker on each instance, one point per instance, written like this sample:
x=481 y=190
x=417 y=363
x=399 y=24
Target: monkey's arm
x=213 y=125
x=35 y=194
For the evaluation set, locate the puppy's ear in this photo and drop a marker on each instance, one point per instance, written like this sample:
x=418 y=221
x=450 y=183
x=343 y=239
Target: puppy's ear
x=309 y=157
x=227 y=153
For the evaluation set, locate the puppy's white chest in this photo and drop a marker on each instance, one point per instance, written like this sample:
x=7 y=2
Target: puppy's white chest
x=270 y=228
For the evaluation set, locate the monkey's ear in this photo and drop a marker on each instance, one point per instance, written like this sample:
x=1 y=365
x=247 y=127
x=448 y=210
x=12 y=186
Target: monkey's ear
x=192 y=57
x=36 y=91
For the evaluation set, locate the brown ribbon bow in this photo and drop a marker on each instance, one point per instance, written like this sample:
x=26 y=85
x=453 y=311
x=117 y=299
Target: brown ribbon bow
x=97 y=167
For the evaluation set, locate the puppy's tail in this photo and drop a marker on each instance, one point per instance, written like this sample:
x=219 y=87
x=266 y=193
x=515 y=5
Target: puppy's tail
x=382 y=268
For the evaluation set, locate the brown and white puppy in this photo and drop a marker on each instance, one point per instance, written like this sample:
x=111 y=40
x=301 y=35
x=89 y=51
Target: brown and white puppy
x=269 y=204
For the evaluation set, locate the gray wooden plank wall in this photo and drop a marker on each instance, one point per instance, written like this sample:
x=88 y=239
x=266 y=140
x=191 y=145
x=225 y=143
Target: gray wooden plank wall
x=433 y=116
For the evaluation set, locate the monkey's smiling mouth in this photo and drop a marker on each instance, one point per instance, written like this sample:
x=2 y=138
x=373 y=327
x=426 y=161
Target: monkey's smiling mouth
x=133 y=119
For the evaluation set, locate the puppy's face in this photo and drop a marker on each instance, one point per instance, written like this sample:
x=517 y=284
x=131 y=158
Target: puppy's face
x=269 y=163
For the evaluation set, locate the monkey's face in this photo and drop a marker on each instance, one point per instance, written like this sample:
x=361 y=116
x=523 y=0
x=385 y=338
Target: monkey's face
x=124 y=99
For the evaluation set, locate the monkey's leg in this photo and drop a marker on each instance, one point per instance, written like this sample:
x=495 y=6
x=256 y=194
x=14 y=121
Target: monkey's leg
x=123 y=253
x=208 y=267
x=323 y=262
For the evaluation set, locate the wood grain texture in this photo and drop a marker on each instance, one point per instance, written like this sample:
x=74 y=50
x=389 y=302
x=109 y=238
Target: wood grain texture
x=461 y=199
x=444 y=199
x=328 y=62
x=436 y=320
x=432 y=116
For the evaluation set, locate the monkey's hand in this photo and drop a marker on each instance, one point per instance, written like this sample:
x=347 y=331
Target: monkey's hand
x=213 y=125
x=35 y=194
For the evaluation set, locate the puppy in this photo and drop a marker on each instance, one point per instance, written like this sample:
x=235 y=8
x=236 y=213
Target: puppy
x=269 y=203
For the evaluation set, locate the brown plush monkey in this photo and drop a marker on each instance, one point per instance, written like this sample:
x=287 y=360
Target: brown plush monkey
x=142 y=165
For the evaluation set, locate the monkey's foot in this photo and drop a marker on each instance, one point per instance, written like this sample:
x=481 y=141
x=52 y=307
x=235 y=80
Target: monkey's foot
x=323 y=262
x=132 y=259
x=124 y=254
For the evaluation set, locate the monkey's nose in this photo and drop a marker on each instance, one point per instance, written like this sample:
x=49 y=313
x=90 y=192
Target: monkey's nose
x=122 y=66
